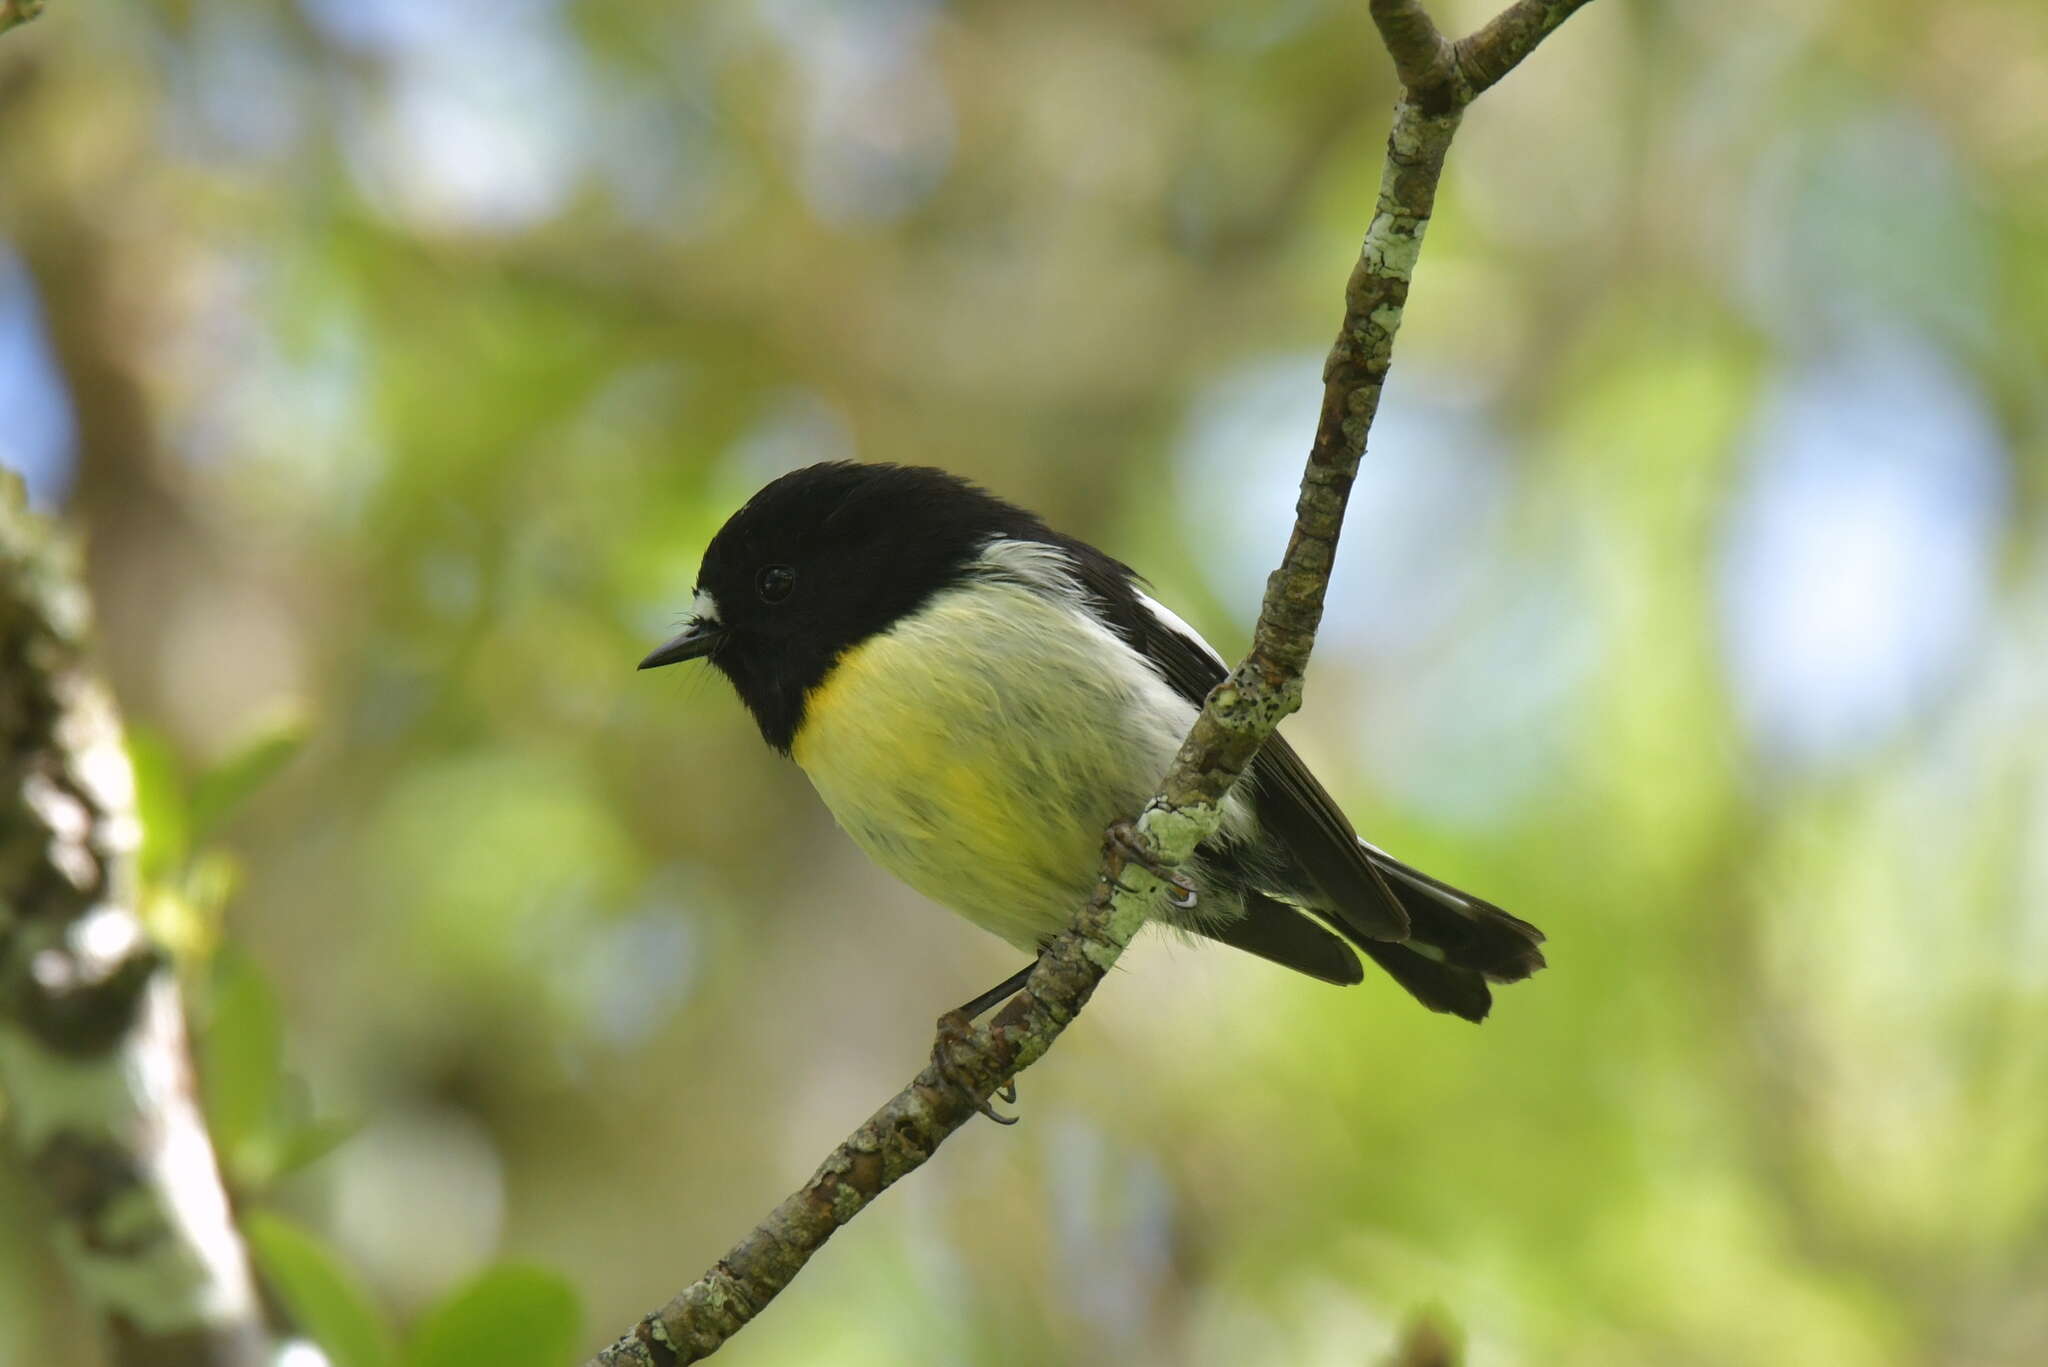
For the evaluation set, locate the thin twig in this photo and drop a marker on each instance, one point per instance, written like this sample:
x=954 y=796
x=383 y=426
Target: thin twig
x=1510 y=36
x=1422 y=56
x=1235 y=720
x=1425 y=1343
x=15 y=12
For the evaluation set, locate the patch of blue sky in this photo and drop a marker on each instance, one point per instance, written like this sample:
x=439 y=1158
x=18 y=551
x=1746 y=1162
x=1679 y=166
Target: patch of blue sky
x=238 y=92
x=480 y=119
x=402 y=28
x=38 y=434
x=877 y=133
x=1858 y=562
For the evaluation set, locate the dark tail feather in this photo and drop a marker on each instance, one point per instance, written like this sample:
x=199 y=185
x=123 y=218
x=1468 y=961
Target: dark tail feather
x=1469 y=932
x=1283 y=935
x=1437 y=986
x=1456 y=942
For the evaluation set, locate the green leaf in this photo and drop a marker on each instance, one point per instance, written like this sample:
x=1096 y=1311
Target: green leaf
x=512 y=1315
x=161 y=803
x=184 y=912
x=221 y=790
x=326 y=1300
x=306 y=1143
x=242 y=1063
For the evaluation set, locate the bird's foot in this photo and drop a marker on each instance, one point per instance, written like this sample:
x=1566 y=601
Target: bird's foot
x=1130 y=848
x=955 y=1032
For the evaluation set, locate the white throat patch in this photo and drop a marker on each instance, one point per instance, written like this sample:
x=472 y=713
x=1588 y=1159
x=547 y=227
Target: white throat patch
x=1046 y=569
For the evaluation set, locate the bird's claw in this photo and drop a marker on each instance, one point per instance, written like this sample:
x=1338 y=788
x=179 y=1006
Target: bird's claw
x=954 y=1028
x=1124 y=838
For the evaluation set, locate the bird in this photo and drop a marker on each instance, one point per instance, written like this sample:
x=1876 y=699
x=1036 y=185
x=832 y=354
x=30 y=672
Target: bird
x=976 y=697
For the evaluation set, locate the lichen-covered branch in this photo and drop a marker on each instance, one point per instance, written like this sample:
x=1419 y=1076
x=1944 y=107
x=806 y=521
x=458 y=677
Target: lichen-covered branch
x=1441 y=76
x=1508 y=37
x=970 y=1065
x=94 y=1068
x=13 y=12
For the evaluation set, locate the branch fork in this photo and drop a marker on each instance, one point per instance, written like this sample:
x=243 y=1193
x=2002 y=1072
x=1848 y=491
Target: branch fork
x=1439 y=79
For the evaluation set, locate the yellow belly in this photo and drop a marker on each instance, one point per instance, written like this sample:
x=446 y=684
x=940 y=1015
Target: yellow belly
x=977 y=750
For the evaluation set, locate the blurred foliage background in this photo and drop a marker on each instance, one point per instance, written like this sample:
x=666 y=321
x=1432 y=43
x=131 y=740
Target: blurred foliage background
x=396 y=360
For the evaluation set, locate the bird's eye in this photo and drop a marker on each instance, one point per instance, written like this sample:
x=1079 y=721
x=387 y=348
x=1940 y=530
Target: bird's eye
x=774 y=583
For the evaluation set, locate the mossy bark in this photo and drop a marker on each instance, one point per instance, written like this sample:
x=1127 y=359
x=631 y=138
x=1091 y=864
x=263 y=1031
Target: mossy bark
x=100 y=1106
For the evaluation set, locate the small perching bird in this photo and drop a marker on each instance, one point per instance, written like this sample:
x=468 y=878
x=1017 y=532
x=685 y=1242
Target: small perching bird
x=977 y=697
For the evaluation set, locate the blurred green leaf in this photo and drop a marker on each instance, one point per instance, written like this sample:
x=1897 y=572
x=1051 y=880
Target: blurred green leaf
x=185 y=912
x=327 y=1301
x=243 y=1060
x=302 y=1145
x=512 y=1315
x=211 y=880
x=221 y=790
x=162 y=803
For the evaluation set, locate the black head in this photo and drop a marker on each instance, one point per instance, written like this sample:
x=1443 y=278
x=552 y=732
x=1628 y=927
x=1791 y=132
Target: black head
x=822 y=559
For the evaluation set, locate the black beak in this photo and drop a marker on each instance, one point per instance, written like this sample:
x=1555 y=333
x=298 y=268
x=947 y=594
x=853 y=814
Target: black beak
x=698 y=640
